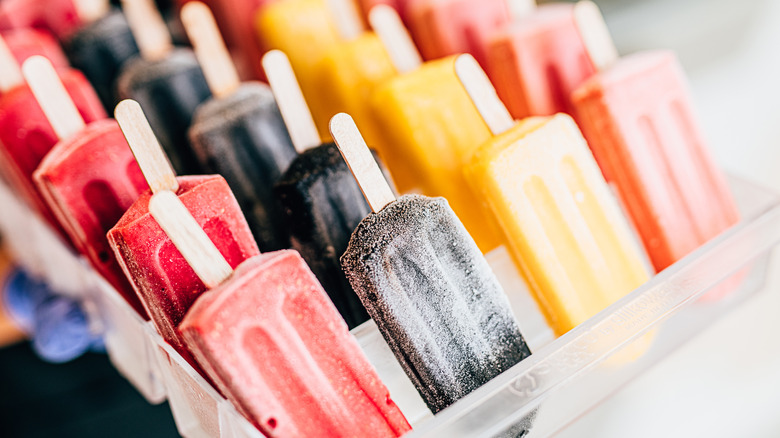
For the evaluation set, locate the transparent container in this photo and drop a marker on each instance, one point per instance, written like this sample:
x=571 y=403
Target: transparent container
x=561 y=381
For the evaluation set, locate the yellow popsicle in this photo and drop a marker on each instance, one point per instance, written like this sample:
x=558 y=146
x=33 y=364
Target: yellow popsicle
x=561 y=222
x=428 y=128
x=348 y=73
x=304 y=30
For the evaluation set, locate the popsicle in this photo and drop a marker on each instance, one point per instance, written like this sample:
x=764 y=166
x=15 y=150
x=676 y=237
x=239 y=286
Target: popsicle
x=538 y=60
x=88 y=179
x=639 y=121
x=99 y=49
x=321 y=201
x=305 y=30
x=16 y=14
x=274 y=344
x=426 y=285
x=239 y=132
x=350 y=71
x=26 y=42
x=162 y=279
x=26 y=135
x=167 y=82
x=448 y=27
x=566 y=231
x=63 y=17
x=57 y=16
x=427 y=128
x=236 y=18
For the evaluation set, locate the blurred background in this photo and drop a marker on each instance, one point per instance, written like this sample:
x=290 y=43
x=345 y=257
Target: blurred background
x=723 y=383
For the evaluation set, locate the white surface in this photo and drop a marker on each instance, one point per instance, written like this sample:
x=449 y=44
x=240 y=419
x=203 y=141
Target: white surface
x=726 y=382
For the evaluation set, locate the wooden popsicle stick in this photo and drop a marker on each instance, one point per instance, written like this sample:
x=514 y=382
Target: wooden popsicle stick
x=52 y=96
x=148 y=28
x=390 y=29
x=189 y=238
x=147 y=150
x=90 y=10
x=10 y=73
x=483 y=94
x=290 y=101
x=353 y=148
x=518 y=9
x=213 y=56
x=345 y=16
x=595 y=34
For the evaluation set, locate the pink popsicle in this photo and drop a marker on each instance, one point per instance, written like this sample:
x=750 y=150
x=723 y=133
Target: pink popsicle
x=637 y=116
x=639 y=122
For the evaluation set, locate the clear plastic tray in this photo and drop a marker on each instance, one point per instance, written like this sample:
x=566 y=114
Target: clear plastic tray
x=561 y=381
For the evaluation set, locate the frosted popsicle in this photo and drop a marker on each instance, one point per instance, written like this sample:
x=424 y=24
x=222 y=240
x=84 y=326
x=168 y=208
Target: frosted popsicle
x=426 y=285
x=274 y=344
x=162 y=279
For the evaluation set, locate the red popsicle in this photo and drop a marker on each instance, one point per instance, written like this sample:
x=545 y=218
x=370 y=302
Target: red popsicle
x=637 y=116
x=538 y=60
x=20 y=14
x=160 y=276
x=89 y=178
x=61 y=17
x=274 y=343
x=27 y=42
x=26 y=135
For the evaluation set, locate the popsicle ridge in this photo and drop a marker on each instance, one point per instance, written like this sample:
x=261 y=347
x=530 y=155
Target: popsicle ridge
x=188 y=237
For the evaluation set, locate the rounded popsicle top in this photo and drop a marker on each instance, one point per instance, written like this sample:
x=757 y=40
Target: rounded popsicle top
x=91 y=10
x=483 y=94
x=52 y=96
x=290 y=100
x=388 y=26
x=353 y=148
x=147 y=150
x=189 y=238
x=148 y=27
x=595 y=35
x=213 y=56
x=10 y=74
